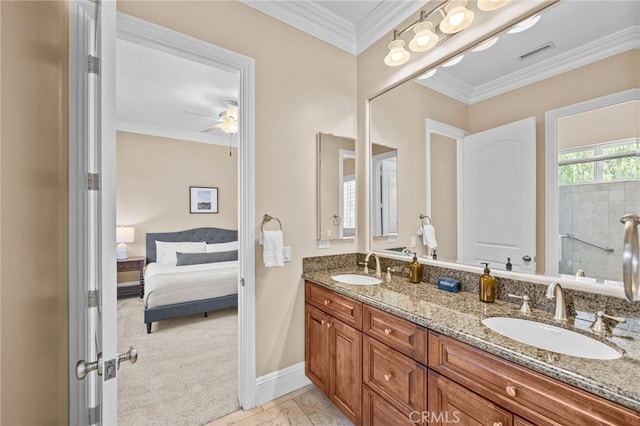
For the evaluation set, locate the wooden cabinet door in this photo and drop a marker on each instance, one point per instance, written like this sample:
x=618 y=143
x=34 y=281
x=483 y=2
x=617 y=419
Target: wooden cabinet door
x=378 y=412
x=345 y=369
x=316 y=347
x=451 y=403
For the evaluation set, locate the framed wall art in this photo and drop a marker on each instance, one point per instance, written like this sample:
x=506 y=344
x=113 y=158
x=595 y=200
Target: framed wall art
x=203 y=199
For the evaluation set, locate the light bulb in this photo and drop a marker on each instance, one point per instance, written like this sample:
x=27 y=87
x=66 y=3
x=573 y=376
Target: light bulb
x=457 y=17
x=397 y=54
x=424 y=39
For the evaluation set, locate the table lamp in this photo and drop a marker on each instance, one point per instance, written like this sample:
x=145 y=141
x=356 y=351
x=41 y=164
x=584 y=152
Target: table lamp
x=124 y=235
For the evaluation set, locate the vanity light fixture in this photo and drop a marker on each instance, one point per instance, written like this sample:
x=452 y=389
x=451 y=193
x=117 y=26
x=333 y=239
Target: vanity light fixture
x=485 y=45
x=524 y=25
x=434 y=27
x=488 y=5
x=457 y=17
x=397 y=55
x=428 y=74
x=454 y=61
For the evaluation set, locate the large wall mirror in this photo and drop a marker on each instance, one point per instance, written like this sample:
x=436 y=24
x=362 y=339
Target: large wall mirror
x=522 y=151
x=336 y=156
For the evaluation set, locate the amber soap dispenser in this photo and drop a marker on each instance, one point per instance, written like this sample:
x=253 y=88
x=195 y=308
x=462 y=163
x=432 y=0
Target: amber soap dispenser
x=414 y=270
x=487 y=286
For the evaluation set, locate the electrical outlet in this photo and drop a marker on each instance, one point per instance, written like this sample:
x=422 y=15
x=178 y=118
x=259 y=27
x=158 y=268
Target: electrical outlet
x=391 y=238
x=286 y=253
x=323 y=244
x=328 y=233
x=413 y=242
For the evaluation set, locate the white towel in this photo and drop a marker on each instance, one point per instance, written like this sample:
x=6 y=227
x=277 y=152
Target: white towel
x=272 y=252
x=428 y=233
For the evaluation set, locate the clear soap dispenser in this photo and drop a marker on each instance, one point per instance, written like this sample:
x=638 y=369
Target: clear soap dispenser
x=487 y=285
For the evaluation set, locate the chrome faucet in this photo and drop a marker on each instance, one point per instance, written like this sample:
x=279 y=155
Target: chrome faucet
x=554 y=290
x=366 y=264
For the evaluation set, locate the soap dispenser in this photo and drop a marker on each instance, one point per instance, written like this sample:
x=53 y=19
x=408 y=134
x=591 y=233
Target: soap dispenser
x=414 y=270
x=487 y=285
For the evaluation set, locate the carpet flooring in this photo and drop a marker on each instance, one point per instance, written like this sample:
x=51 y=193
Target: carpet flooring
x=186 y=373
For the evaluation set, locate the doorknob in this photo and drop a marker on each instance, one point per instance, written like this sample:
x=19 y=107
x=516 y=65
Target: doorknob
x=83 y=367
x=130 y=355
x=526 y=258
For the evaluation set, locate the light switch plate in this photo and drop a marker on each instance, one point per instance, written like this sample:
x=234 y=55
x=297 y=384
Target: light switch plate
x=413 y=242
x=391 y=238
x=323 y=244
x=286 y=253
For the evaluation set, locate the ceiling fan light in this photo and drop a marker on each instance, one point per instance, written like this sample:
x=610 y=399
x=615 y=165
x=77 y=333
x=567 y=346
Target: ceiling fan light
x=425 y=38
x=488 y=5
x=397 y=55
x=229 y=125
x=457 y=17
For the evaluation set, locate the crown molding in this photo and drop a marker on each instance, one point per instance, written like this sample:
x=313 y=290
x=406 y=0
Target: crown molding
x=382 y=19
x=311 y=18
x=171 y=133
x=614 y=44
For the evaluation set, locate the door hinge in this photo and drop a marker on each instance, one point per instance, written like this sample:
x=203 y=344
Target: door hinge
x=94 y=415
x=242 y=282
x=110 y=369
x=93 y=298
x=94 y=65
x=94 y=181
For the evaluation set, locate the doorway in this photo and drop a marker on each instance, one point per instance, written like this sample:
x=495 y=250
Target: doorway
x=154 y=36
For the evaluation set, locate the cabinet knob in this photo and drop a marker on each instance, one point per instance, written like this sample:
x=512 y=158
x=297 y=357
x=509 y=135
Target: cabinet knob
x=511 y=391
x=388 y=377
x=328 y=324
x=326 y=302
x=322 y=322
x=387 y=331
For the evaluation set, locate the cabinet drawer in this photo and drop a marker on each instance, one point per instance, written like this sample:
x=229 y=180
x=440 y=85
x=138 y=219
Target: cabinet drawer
x=336 y=305
x=533 y=396
x=396 y=377
x=400 y=334
x=132 y=265
x=378 y=412
x=450 y=403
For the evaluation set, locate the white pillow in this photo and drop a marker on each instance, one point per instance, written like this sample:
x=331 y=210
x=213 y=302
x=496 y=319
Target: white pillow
x=217 y=247
x=166 y=252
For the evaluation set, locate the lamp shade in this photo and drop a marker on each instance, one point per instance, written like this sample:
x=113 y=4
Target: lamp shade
x=125 y=234
x=397 y=54
x=488 y=5
x=457 y=17
x=425 y=38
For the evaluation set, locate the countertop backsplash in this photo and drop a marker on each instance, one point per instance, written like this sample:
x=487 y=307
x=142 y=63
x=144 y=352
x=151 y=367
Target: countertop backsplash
x=582 y=305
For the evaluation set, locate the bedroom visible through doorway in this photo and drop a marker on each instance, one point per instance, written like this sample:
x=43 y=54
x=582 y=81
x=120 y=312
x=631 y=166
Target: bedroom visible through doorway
x=187 y=371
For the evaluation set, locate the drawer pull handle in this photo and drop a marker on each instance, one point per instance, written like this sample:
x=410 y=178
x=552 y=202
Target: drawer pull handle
x=322 y=322
x=511 y=391
x=328 y=324
x=388 y=377
x=326 y=302
x=387 y=331
x=497 y=424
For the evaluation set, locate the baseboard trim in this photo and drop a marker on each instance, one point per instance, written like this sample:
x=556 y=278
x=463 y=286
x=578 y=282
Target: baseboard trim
x=281 y=382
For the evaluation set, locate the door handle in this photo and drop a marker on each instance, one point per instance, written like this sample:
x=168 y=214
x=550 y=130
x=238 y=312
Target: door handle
x=130 y=355
x=83 y=367
x=526 y=258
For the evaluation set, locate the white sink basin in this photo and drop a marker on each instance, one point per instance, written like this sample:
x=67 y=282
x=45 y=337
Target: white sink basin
x=551 y=338
x=356 y=279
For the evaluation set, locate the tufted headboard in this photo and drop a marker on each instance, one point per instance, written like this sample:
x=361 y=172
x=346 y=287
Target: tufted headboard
x=208 y=235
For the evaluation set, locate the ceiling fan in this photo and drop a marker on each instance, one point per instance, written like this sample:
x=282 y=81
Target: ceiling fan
x=227 y=119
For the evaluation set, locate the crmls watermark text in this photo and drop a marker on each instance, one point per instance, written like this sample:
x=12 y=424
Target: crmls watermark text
x=435 y=417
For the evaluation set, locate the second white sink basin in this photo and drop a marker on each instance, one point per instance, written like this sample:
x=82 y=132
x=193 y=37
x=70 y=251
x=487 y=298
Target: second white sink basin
x=356 y=279
x=551 y=338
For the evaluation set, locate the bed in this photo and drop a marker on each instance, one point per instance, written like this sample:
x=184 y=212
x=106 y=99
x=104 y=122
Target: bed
x=172 y=291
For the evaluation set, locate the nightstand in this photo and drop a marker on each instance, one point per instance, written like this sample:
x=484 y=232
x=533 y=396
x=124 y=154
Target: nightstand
x=135 y=263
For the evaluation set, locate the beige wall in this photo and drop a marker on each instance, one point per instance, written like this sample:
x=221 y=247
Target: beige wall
x=444 y=200
x=34 y=199
x=153 y=179
x=303 y=86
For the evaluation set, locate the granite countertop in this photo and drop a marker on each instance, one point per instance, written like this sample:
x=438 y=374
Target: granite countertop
x=459 y=315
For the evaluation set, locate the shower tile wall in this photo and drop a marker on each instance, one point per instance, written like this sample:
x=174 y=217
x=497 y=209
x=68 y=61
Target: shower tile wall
x=592 y=213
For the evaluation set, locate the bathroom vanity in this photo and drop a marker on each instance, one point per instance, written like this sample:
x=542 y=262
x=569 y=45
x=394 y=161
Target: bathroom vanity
x=399 y=353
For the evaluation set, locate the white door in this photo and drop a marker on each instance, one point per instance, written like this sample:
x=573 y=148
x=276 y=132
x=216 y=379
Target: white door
x=499 y=196
x=93 y=321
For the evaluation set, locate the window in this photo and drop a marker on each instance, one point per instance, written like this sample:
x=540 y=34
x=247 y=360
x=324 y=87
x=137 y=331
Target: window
x=349 y=203
x=608 y=162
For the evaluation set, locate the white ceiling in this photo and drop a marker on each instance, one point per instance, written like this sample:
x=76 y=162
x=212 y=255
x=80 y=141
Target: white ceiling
x=154 y=88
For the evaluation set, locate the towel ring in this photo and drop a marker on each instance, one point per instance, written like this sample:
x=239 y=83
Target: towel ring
x=337 y=220
x=267 y=218
x=423 y=217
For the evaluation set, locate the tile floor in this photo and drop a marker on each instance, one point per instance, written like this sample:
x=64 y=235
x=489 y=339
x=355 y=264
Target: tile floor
x=305 y=407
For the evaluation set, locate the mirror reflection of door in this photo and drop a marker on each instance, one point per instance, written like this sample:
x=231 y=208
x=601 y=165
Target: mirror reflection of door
x=499 y=196
x=384 y=170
